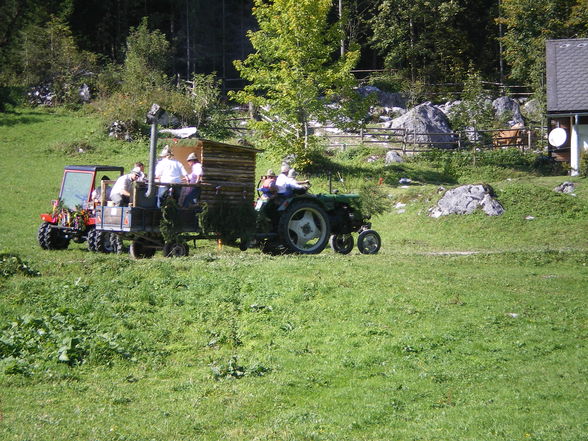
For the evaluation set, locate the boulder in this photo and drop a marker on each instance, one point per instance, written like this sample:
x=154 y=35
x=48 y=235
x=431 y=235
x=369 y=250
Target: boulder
x=385 y=99
x=506 y=107
x=565 y=187
x=467 y=199
x=425 y=124
x=84 y=93
x=393 y=157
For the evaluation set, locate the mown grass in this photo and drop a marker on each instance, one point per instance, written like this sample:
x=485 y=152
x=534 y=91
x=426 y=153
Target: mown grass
x=409 y=344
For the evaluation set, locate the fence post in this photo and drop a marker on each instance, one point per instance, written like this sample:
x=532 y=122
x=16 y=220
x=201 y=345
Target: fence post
x=361 y=134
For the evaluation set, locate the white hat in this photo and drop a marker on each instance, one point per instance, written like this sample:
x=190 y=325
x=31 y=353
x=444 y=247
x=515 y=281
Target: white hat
x=166 y=152
x=285 y=168
x=192 y=157
x=136 y=170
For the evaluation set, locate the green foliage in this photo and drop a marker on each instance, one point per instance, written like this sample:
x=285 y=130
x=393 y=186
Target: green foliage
x=584 y=164
x=489 y=164
x=374 y=200
x=62 y=337
x=147 y=57
x=427 y=40
x=143 y=82
x=423 y=340
x=170 y=221
x=49 y=54
x=527 y=25
x=219 y=219
x=293 y=74
x=474 y=112
x=199 y=103
x=11 y=264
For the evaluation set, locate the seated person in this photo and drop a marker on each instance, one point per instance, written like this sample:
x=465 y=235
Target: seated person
x=97 y=193
x=268 y=187
x=287 y=183
x=121 y=192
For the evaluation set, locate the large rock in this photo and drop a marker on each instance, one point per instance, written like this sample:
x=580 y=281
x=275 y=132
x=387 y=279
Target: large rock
x=425 y=124
x=393 y=157
x=467 y=199
x=505 y=107
x=385 y=99
x=566 y=187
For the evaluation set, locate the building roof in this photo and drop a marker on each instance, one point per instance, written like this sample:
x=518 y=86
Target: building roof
x=567 y=75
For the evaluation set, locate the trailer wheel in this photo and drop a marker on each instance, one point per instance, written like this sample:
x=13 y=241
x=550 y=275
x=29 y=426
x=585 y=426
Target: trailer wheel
x=175 y=249
x=103 y=241
x=342 y=243
x=304 y=228
x=51 y=238
x=369 y=242
x=139 y=250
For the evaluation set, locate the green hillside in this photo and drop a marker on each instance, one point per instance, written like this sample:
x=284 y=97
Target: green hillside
x=461 y=328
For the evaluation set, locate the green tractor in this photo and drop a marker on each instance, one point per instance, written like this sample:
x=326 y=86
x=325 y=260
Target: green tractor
x=305 y=223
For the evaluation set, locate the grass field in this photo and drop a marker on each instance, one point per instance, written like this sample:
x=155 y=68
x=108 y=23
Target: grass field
x=461 y=328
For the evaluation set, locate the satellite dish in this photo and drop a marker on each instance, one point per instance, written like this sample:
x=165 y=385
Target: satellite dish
x=558 y=137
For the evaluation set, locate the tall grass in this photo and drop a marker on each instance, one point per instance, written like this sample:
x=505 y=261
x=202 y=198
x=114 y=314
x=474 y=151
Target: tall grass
x=415 y=343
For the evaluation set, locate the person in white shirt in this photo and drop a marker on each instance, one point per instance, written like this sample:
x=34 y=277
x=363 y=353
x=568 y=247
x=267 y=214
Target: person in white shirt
x=121 y=191
x=286 y=182
x=168 y=171
x=191 y=195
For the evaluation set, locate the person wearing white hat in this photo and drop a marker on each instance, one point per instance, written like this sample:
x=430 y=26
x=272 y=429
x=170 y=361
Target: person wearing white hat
x=121 y=191
x=191 y=195
x=286 y=182
x=168 y=171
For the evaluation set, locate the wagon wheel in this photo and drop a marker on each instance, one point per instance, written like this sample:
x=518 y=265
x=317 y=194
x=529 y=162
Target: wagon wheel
x=369 y=242
x=342 y=243
x=140 y=250
x=304 y=228
x=175 y=249
x=103 y=241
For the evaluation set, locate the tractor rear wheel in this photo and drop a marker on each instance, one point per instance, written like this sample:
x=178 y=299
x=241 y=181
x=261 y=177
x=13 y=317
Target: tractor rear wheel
x=51 y=238
x=304 y=228
x=341 y=243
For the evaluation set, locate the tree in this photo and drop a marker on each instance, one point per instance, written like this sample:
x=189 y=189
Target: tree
x=434 y=40
x=49 y=54
x=528 y=24
x=147 y=58
x=294 y=73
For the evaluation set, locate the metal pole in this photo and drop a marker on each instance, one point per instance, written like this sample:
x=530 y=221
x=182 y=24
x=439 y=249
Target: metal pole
x=152 y=156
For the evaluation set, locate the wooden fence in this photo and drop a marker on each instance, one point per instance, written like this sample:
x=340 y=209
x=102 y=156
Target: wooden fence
x=410 y=141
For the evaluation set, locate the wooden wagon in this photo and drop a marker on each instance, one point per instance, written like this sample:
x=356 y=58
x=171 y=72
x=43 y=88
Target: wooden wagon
x=228 y=185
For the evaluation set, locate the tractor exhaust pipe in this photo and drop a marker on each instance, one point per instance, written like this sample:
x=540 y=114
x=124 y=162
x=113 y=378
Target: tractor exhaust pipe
x=152 y=117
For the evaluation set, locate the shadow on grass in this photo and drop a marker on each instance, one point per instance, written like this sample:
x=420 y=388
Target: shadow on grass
x=10 y=119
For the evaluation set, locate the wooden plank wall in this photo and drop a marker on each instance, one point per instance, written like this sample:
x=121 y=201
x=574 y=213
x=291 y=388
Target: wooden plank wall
x=228 y=170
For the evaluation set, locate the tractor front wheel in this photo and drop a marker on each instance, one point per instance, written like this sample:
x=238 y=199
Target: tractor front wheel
x=341 y=243
x=369 y=242
x=51 y=238
x=304 y=228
